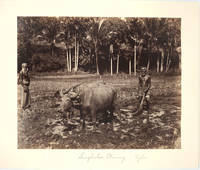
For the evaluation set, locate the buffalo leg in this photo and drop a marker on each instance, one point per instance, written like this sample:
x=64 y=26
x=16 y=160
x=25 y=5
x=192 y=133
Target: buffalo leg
x=105 y=117
x=82 y=118
x=83 y=126
x=94 y=119
x=111 y=116
x=81 y=114
x=117 y=112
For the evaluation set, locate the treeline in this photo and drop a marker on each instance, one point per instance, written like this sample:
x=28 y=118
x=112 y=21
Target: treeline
x=99 y=44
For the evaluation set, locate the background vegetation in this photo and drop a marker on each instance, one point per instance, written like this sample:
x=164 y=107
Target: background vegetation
x=99 y=45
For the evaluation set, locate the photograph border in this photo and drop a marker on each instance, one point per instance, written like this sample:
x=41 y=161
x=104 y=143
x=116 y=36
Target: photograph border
x=187 y=157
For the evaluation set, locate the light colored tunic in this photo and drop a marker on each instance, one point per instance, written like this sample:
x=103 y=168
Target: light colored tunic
x=23 y=90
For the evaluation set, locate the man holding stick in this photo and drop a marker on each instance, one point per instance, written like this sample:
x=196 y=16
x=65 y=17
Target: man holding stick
x=144 y=85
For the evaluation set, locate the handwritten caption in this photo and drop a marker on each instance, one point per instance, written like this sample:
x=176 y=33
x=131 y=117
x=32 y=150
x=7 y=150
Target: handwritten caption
x=88 y=157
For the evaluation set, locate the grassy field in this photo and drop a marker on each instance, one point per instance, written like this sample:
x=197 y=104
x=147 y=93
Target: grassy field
x=43 y=126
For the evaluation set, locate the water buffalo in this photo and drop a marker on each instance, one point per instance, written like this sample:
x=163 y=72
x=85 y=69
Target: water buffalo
x=93 y=98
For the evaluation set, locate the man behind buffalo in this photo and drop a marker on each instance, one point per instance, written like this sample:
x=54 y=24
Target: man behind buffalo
x=144 y=84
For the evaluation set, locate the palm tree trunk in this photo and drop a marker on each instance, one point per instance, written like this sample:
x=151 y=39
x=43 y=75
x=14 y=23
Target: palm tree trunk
x=111 y=65
x=111 y=59
x=168 y=61
x=117 y=63
x=179 y=63
x=135 y=60
x=96 y=54
x=90 y=62
x=52 y=50
x=162 y=60
x=168 y=66
x=67 y=55
x=70 y=60
x=77 y=54
x=158 y=63
x=129 y=66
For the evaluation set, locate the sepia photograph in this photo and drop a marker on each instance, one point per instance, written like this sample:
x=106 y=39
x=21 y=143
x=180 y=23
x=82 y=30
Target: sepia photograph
x=98 y=82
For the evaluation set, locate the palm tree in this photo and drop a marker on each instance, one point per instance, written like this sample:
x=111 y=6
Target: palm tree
x=94 y=29
x=135 y=33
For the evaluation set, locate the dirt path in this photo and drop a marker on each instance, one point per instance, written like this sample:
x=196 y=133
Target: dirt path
x=80 y=76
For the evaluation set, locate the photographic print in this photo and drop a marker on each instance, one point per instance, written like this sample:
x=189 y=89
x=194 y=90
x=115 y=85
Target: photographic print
x=98 y=82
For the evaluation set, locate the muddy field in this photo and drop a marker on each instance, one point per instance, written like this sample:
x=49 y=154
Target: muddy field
x=43 y=126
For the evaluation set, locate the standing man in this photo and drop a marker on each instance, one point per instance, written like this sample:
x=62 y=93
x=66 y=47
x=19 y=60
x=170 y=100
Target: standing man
x=144 y=85
x=24 y=81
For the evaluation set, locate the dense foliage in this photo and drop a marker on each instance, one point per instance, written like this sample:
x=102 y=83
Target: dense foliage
x=99 y=44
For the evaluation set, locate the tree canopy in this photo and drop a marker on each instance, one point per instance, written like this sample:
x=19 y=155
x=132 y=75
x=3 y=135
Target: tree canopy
x=99 y=44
